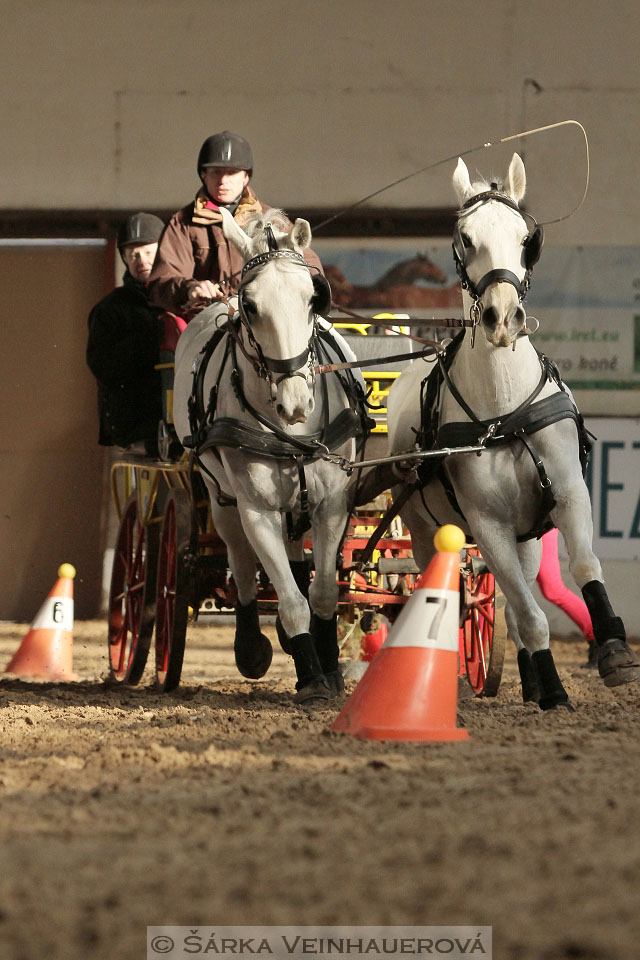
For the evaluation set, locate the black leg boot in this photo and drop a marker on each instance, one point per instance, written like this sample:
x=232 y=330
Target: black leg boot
x=528 y=678
x=617 y=663
x=252 y=649
x=553 y=693
x=301 y=575
x=311 y=685
x=325 y=637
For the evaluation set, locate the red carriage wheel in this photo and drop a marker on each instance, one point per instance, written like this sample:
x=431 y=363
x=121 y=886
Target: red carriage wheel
x=483 y=634
x=132 y=595
x=172 y=600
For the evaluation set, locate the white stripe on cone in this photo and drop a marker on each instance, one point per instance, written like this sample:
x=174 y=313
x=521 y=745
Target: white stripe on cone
x=56 y=613
x=429 y=619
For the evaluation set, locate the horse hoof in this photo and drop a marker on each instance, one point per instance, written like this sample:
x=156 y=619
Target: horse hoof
x=551 y=703
x=617 y=663
x=564 y=704
x=253 y=655
x=314 y=693
x=336 y=683
x=282 y=637
x=592 y=661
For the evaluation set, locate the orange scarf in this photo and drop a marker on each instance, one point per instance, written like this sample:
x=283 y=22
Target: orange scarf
x=206 y=212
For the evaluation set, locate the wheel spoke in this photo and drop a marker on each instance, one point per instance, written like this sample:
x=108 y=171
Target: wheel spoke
x=127 y=597
x=171 y=600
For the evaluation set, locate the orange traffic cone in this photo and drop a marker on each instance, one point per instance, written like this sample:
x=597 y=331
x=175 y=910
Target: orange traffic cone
x=410 y=690
x=46 y=652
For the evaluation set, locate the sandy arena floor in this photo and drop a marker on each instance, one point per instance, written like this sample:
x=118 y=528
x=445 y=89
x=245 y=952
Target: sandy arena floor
x=223 y=803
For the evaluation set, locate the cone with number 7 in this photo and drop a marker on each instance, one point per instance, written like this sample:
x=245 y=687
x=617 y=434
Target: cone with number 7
x=410 y=690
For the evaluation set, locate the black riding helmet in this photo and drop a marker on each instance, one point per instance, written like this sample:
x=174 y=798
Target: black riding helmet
x=139 y=228
x=225 y=149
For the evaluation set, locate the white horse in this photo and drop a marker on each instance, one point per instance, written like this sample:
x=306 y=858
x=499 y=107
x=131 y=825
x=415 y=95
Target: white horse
x=501 y=386
x=260 y=420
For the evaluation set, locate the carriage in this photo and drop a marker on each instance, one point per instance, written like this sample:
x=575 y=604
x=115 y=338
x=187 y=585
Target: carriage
x=170 y=566
x=268 y=443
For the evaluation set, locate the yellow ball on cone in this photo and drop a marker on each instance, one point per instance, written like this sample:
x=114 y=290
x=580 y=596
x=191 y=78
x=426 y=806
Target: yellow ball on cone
x=449 y=539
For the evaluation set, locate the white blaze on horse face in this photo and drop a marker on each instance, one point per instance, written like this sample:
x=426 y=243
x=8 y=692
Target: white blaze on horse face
x=282 y=324
x=496 y=233
x=279 y=297
x=492 y=235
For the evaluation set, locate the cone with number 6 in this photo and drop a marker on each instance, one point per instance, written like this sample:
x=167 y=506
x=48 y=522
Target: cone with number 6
x=410 y=691
x=46 y=651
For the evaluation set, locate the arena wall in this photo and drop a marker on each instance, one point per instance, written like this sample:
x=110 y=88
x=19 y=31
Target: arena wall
x=105 y=106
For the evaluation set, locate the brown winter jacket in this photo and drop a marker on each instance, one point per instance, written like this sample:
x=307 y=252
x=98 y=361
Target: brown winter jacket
x=193 y=248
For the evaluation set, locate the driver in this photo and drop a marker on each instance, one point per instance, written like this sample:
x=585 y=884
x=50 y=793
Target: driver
x=195 y=261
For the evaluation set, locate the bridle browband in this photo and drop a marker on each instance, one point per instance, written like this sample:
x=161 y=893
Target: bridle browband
x=276 y=254
x=532 y=244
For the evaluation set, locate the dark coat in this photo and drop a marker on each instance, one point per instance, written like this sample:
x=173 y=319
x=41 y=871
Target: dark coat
x=124 y=336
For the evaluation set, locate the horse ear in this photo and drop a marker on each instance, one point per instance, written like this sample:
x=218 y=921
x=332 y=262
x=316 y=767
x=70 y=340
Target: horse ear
x=516 y=182
x=236 y=234
x=461 y=181
x=301 y=233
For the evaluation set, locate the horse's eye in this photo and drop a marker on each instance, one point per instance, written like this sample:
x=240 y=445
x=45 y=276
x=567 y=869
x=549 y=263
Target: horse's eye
x=249 y=307
x=466 y=240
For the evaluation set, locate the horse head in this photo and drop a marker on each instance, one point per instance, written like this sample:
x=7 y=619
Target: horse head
x=420 y=267
x=278 y=303
x=495 y=247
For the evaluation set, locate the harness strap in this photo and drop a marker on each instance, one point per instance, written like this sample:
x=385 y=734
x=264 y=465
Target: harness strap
x=499 y=276
x=229 y=432
x=375 y=362
x=541 y=414
x=195 y=403
x=310 y=448
x=303 y=523
x=544 y=376
x=528 y=418
x=548 y=499
x=528 y=421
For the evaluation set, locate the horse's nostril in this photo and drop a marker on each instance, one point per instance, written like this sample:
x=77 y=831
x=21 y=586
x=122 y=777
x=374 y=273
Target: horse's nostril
x=490 y=316
x=279 y=409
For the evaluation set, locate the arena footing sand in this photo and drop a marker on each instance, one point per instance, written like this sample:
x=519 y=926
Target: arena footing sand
x=223 y=803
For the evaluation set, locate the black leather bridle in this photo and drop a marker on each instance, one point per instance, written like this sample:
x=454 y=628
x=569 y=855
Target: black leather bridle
x=287 y=367
x=532 y=244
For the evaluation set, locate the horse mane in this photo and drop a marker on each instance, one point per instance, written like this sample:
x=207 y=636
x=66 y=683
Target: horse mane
x=491 y=183
x=277 y=218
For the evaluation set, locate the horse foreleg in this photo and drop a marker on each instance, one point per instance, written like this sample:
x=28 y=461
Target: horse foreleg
x=301 y=572
x=617 y=663
x=253 y=651
x=529 y=557
x=524 y=617
x=264 y=532
x=327 y=528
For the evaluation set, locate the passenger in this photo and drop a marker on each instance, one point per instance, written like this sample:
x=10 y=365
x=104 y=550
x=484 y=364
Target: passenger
x=124 y=338
x=195 y=262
